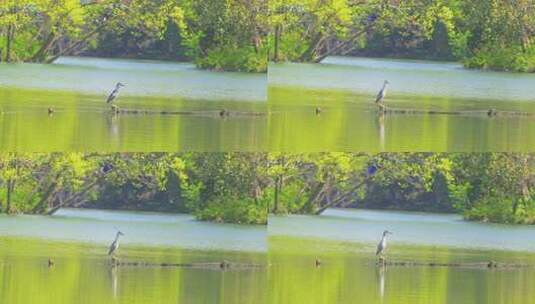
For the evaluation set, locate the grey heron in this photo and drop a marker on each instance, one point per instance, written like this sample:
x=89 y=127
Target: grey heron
x=381 y=247
x=115 y=92
x=381 y=95
x=115 y=245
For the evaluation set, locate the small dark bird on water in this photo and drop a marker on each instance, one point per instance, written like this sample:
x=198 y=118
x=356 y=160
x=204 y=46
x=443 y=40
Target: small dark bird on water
x=382 y=94
x=115 y=92
x=318 y=262
x=224 y=113
x=318 y=111
x=50 y=262
x=492 y=112
x=50 y=111
x=224 y=264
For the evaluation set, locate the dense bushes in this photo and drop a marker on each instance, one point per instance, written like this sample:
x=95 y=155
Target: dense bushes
x=487 y=34
x=215 y=34
x=503 y=59
x=245 y=187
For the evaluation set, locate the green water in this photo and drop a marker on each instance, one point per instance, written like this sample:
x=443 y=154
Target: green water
x=76 y=88
x=344 y=242
x=77 y=240
x=345 y=88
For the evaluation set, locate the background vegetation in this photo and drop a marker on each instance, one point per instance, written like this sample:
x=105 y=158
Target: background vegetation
x=245 y=187
x=488 y=34
x=215 y=34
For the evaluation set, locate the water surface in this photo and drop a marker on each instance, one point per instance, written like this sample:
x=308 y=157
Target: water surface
x=345 y=240
x=345 y=89
x=76 y=89
x=77 y=240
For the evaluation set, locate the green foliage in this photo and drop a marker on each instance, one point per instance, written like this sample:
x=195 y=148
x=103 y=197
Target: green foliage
x=234 y=210
x=245 y=187
x=503 y=59
x=216 y=34
x=225 y=58
x=488 y=34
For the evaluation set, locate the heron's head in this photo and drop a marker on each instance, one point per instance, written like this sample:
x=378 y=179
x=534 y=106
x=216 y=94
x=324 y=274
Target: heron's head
x=386 y=232
x=120 y=233
x=386 y=82
x=120 y=84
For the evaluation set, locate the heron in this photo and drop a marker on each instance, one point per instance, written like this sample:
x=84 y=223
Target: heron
x=115 y=92
x=381 y=95
x=381 y=247
x=115 y=245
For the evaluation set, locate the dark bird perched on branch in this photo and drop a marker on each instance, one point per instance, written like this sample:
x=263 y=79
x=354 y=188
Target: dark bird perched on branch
x=114 y=93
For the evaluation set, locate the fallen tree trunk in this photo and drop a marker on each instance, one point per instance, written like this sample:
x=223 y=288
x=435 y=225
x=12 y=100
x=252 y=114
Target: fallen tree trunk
x=223 y=265
x=482 y=265
x=221 y=113
x=488 y=112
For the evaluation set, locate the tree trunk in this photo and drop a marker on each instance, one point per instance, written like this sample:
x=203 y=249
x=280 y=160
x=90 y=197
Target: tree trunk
x=345 y=44
x=8 y=196
x=339 y=200
x=74 y=197
x=42 y=53
x=278 y=187
x=9 y=38
x=310 y=53
x=278 y=30
x=73 y=46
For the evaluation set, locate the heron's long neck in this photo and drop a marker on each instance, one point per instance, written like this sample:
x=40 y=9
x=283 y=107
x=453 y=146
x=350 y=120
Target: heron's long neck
x=384 y=86
x=117 y=237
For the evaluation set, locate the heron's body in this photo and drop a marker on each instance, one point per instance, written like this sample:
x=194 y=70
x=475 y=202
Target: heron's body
x=382 y=94
x=114 y=93
x=381 y=247
x=115 y=245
